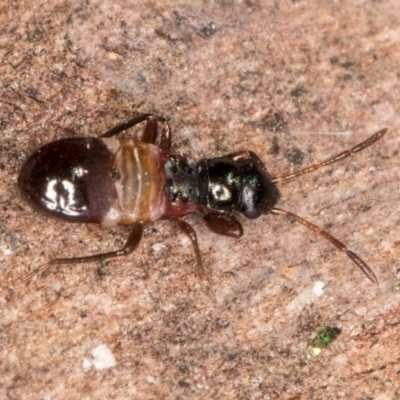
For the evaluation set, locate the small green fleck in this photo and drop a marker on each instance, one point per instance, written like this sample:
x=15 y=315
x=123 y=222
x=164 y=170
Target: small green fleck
x=322 y=339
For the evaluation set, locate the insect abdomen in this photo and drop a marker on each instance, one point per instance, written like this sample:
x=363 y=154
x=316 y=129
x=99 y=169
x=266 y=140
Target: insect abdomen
x=104 y=181
x=138 y=183
x=69 y=179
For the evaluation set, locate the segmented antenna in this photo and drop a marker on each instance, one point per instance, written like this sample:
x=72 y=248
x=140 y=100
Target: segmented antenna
x=364 y=267
x=341 y=156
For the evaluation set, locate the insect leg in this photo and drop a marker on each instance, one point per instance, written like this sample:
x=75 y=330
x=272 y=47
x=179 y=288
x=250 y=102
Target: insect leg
x=366 y=270
x=226 y=225
x=239 y=156
x=166 y=136
x=341 y=156
x=128 y=124
x=131 y=244
x=151 y=131
x=191 y=234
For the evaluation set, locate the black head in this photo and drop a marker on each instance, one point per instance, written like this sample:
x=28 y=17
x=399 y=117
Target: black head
x=259 y=193
x=229 y=184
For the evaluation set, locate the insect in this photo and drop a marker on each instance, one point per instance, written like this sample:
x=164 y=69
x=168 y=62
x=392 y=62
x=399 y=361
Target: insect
x=113 y=181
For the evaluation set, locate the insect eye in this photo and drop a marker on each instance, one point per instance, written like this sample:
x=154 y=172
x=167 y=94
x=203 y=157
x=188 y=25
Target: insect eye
x=252 y=213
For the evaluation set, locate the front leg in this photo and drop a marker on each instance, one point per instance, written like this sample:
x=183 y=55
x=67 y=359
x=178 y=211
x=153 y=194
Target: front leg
x=223 y=224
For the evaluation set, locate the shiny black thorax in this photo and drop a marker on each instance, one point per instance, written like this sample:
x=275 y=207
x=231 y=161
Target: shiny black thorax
x=222 y=185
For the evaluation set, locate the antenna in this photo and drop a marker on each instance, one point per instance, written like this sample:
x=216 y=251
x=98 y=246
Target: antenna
x=341 y=156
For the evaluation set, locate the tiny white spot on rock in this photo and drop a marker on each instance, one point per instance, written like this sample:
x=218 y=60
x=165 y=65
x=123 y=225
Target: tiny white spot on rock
x=157 y=247
x=318 y=288
x=102 y=357
x=151 y=379
x=6 y=251
x=315 y=351
x=86 y=363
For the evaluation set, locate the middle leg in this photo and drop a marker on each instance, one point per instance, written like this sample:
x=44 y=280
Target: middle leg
x=200 y=272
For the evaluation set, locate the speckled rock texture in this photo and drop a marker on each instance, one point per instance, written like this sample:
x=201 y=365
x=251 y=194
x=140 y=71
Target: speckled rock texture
x=293 y=81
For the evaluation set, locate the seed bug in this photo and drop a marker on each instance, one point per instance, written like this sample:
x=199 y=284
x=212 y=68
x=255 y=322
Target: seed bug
x=113 y=181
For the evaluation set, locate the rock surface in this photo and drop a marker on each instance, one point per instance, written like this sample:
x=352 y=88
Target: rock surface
x=294 y=81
